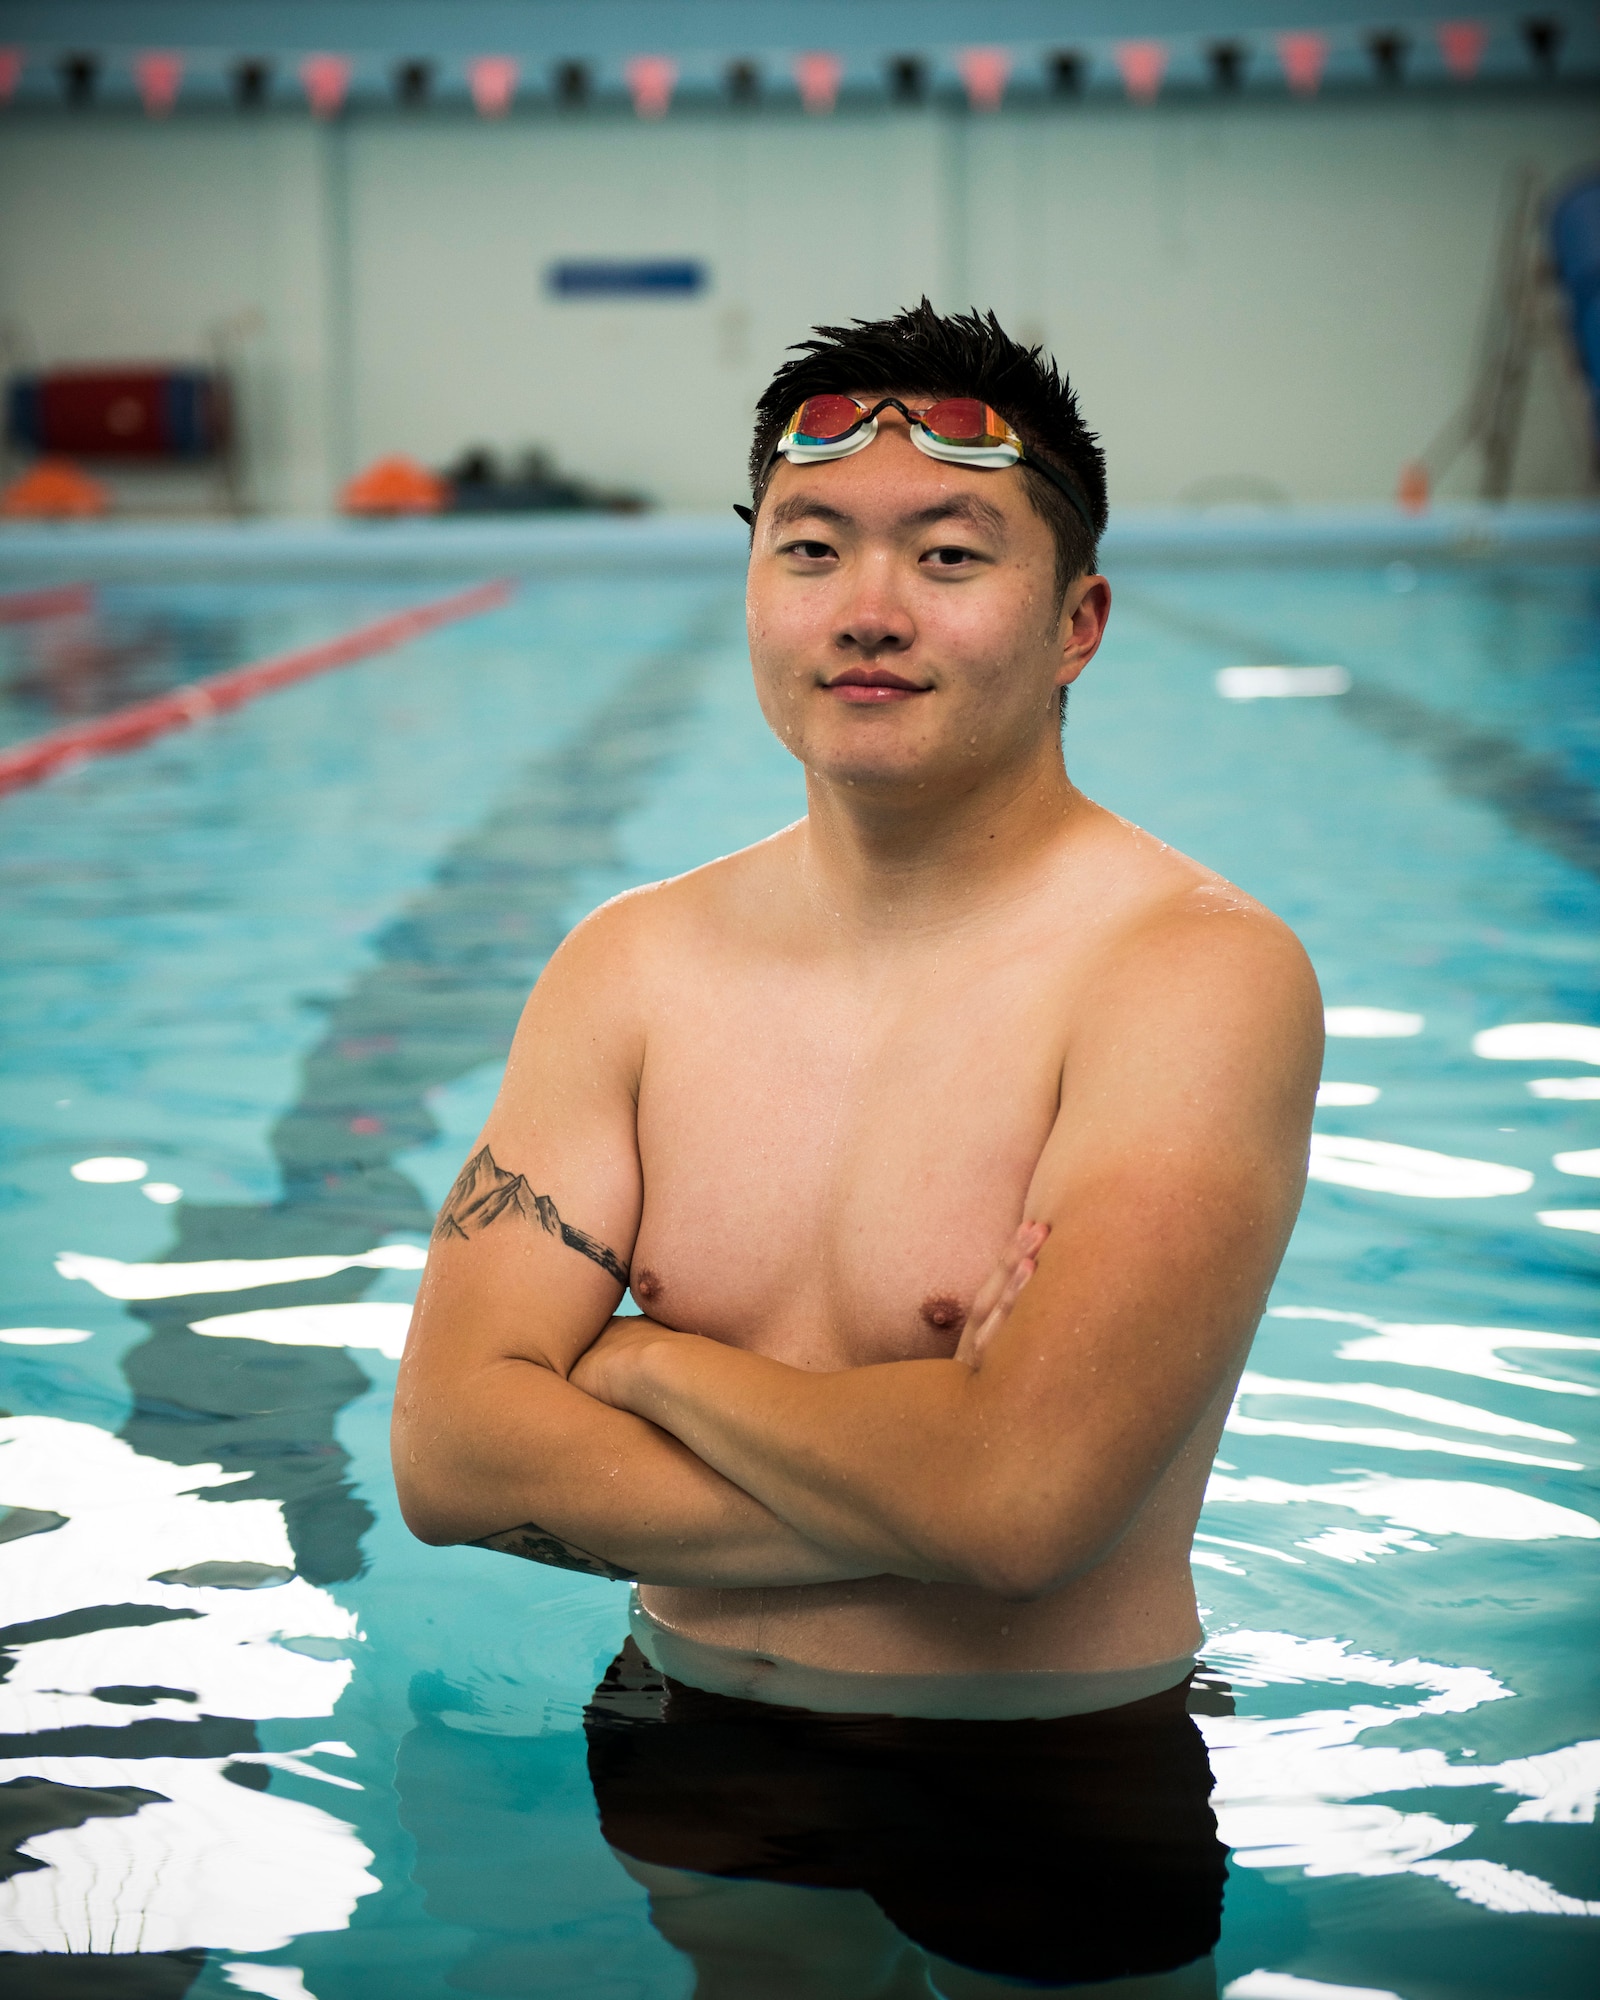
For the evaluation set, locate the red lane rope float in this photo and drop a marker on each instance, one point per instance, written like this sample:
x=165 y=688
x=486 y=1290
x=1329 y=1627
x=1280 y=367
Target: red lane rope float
x=127 y=728
x=66 y=600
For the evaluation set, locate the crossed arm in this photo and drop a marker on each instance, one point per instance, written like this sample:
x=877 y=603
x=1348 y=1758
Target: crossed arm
x=489 y=1432
x=491 y=1442
x=528 y=1419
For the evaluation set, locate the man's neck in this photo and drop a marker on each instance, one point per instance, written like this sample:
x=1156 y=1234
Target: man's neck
x=889 y=860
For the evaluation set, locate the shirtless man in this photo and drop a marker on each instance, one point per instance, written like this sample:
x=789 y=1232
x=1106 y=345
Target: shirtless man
x=951 y=1137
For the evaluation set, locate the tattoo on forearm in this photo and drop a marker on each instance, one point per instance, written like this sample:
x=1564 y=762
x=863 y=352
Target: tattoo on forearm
x=484 y=1191
x=538 y=1545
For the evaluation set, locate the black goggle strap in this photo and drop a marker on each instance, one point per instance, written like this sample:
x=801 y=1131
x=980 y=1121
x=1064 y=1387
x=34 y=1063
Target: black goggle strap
x=1062 y=484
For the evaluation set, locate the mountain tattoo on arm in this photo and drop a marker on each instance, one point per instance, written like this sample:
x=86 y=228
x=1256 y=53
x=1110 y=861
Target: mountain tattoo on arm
x=484 y=1192
x=536 y=1544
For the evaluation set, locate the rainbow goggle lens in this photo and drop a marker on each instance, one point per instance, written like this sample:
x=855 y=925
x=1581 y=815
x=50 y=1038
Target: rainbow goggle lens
x=959 y=430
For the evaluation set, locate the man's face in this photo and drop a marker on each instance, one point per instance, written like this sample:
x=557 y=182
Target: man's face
x=903 y=620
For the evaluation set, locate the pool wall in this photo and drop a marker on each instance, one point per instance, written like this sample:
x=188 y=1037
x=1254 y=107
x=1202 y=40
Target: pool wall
x=542 y=546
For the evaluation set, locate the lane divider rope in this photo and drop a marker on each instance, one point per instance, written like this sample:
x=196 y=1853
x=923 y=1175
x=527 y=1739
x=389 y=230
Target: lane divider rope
x=127 y=728
x=62 y=600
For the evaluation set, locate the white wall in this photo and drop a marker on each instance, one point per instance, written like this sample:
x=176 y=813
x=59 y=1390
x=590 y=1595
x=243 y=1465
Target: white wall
x=119 y=241
x=1276 y=291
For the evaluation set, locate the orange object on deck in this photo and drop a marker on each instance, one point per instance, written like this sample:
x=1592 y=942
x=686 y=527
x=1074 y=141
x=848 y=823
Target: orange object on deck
x=1415 y=488
x=395 y=485
x=54 y=489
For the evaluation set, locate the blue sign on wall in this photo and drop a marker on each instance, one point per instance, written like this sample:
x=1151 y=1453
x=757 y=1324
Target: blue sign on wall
x=612 y=278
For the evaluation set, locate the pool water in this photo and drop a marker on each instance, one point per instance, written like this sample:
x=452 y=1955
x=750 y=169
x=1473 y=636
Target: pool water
x=130 y=641
x=254 y=1737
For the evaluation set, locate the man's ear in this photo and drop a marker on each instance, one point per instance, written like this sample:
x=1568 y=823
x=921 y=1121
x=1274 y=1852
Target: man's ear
x=745 y=514
x=1083 y=625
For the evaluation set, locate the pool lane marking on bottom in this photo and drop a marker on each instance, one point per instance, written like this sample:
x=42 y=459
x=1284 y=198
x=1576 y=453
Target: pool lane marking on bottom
x=1532 y=790
x=127 y=728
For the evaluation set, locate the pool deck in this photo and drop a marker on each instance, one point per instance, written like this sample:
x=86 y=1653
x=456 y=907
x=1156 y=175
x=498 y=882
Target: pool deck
x=524 y=545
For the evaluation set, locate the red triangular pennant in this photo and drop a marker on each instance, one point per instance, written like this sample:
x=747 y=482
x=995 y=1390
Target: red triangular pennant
x=817 y=76
x=1462 y=44
x=1143 y=65
x=326 y=79
x=159 y=76
x=650 y=80
x=1304 y=58
x=493 y=83
x=984 y=72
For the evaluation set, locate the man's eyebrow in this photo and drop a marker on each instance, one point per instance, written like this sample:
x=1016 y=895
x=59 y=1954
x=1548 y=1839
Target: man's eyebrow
x=963 y=507
x=798 y=507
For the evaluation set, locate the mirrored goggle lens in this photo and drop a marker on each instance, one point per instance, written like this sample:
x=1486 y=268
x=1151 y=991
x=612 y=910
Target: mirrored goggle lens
x=964 y=420
x=823 y=418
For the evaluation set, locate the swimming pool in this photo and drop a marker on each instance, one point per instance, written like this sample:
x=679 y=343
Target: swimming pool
x=256 y=1738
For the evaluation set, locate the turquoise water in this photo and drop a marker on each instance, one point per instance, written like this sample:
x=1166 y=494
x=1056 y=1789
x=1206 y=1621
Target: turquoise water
x=275 y=961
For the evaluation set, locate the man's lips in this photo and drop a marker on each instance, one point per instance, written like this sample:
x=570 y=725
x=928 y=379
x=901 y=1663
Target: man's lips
x=872 y=684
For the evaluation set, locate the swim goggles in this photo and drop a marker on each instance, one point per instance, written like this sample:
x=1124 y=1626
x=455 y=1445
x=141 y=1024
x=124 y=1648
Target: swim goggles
x=960 y=431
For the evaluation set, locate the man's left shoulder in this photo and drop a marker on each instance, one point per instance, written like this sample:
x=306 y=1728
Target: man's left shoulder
x=1161 y=912
x=1204 y=958
x=1212 y=916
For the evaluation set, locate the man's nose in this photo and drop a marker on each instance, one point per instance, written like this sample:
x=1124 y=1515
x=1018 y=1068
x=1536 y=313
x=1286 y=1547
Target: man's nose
x=875 y=620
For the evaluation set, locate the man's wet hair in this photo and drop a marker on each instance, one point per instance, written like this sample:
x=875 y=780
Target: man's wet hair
x=923 y=352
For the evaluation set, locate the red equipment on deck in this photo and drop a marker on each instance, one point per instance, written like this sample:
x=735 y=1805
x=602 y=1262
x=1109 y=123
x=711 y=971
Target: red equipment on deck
x=148 y=413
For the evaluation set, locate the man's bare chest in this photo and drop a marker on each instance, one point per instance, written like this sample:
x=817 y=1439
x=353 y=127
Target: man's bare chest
x=831 y=1170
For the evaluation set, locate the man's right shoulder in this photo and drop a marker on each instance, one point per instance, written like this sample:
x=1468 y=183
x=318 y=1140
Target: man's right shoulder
x=661 y=924
x=593 y=1007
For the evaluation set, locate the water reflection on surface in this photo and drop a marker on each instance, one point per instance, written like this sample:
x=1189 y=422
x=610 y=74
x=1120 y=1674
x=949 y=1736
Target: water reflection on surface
x=1387 y=1168
x=148 y=1632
